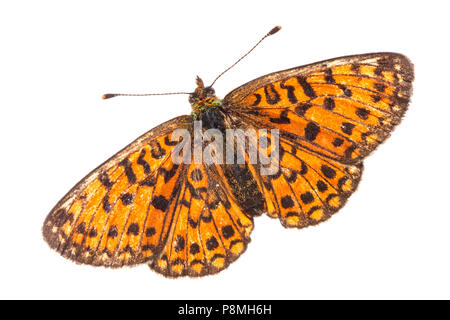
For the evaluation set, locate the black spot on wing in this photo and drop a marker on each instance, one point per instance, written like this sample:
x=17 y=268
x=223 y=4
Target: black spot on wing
x=257 y=101
x=81 y=228
x=156 y=151
x=342 y=181
x=150 y=231
x=307 y=197
x=272 y=96
x=329 y=76
x=160 y=203
x=107 y=207
x=301 y=108
x=127 y=198
x=292 y=177
x=304 y=168
x=322 y=186
x=179 y=243
x=379 y=86
x=133 y=229
x=113 y=231
x=131 y=176
x=143 y=163
x=355 y=68
x=337 y=142
x=93 y=233
x=347 y=92
x=282 y=119
x=227 y=231
x=287 y=202
x=328 y=171
x=329 y=103
x=194 y=248
x=196 y=175
x=362 y=113
x=290 y=92
x=349 y=151
x=311 y=131
x=307 y=89
x=347 y=128
x=375 y=98
x=168 y=142
x=192 y=223
x=206 y=218
x=168 y=174
x=149 y=181
x=104 y=179
x=212 y=243
x=197 y=193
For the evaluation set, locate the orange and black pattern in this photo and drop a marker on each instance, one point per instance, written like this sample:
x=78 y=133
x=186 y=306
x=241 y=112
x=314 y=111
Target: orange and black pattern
x=195 y=219
x=141 y=207
x=330 y=115
x=121 y=213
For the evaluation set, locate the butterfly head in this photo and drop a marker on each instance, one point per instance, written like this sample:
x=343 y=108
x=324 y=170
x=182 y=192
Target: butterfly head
x=203 y=99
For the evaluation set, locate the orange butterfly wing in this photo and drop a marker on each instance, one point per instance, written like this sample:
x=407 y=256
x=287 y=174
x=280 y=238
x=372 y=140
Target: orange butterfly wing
x=121 y=213
x=330 y=115
x=140 y=207
x=209 y=231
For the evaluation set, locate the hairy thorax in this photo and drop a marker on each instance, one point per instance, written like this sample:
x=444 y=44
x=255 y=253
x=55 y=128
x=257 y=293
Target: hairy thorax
x=206 y=107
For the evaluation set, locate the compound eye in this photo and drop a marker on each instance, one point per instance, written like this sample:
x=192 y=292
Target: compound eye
x=209 y=91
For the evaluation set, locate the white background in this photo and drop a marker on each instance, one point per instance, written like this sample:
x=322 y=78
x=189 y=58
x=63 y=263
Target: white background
x=57 y=58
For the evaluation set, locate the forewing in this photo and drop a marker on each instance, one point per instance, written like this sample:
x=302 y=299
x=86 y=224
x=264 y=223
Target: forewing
x=341 y=108
x=121 y=213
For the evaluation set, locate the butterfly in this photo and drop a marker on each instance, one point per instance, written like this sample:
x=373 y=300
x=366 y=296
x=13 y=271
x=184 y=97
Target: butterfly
x=194 y=219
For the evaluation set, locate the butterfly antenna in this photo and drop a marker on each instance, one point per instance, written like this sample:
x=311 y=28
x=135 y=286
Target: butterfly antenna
x=112 y=95
x=271 y=32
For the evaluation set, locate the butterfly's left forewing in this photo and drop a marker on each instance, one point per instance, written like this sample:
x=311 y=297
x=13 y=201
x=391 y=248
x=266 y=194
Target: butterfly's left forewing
x=330 y=115
x=342 y=108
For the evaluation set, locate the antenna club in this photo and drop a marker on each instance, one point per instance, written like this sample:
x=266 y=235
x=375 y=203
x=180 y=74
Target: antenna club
x=108 y=95
x=271 y=32
x=274 y=30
